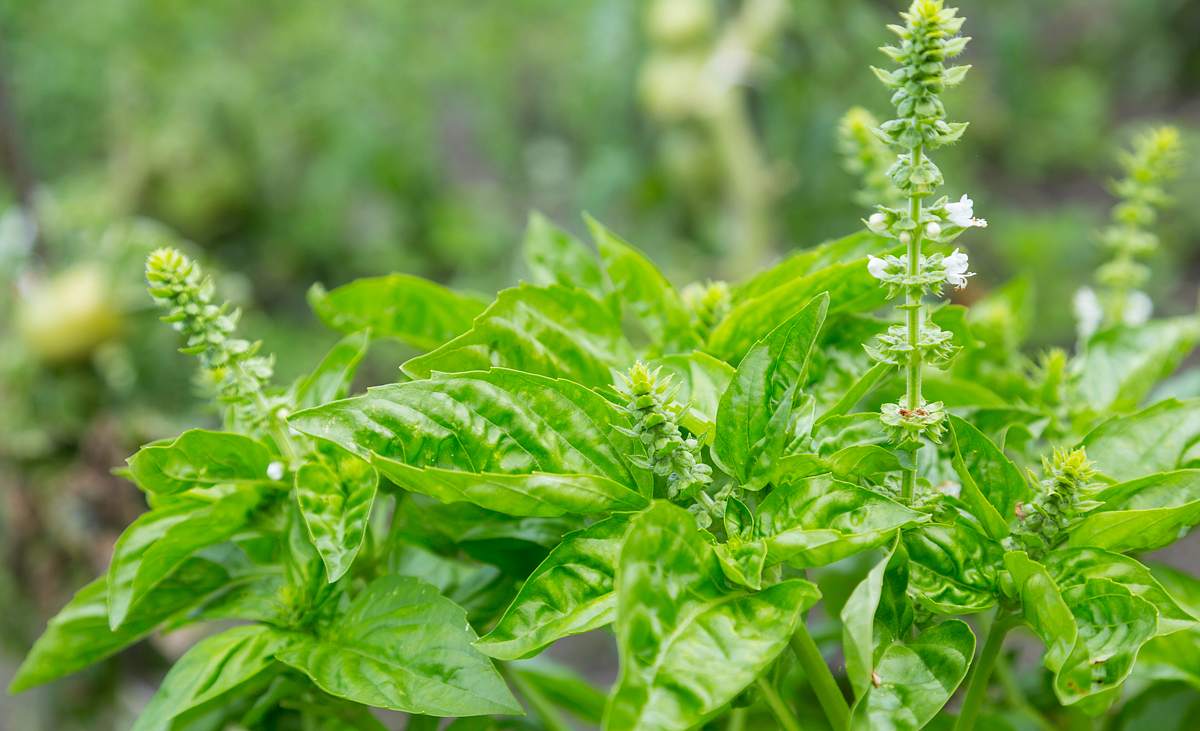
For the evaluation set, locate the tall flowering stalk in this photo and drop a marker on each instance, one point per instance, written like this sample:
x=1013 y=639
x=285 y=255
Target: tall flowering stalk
x=927 y=40
x=1153 y=161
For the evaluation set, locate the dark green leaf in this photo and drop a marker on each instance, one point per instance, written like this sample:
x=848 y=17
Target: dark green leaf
x=765 y=379
x=199 y=458
x=212 y=667
x=554 y=256
x=402 y=646
x=335 y=493
x=569 y=593
x=414 y=310
x=485 y=438
x=1143 y=514
x=332 y=377
x=1152 y=440
x=159 y=541
x=992 y=486
x=916 y=678
x=564 y=687
x=552 y=331
x=818 y=520
x=808 y=261
x=79 y=634
x=857 y=391
x=688 y=643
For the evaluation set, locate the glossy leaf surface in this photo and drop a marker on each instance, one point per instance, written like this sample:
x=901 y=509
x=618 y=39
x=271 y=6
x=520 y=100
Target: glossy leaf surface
x=335 y=495
x=1152 y=440
x=332 y=377
x=991 y=484
x=199 y=458
x=701 y=380
x=818 y=520
x=953 y=568
x=159 y=541
x=402 y=646
x=1122 y=364
x=916 y=678
x=676 y=614
x=552 y=331
x=569 y=593
x=1143 y=514
x=876 y=610
x=554 y=256
x=768 y=375
x=407 y=308
x=1074 y=566
x=485 y=438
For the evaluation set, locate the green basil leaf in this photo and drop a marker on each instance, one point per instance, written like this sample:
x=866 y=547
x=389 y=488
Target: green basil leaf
x=332 y=377
x=552 y=331
x=877 y=612
x=849 y=286
x=1122 y=364
x=335 y=494
x=765 y=378
x=554 y=256
x=742 y=561
x=1074 y=566
x=212 y=667
x=677 y=616
x=1162 y=707
x=199 y=458
x=701 y=380
x=479 y=588
x=402 y=646
x=79 y=635
x=485 y=438
x=1113 y=624
x=643 y=292
x=991 y=484
x=158 y=542
x=400 y=306
x=952 y=568
x=569 y=593
x=857 y=391
x=1152 y=440
x=1043 y=606
x=807 y=261
x=1143 y=514
x=916 y=679
x=818 y=520
x=1183 y=587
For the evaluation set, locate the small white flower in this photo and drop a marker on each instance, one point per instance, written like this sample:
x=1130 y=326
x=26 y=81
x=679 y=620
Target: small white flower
x=932 y=230
x=1088 y=312
x=905 y=238
x=275 y=471
x=956 y=269
x=877 y=267
x=961 y=213
x=1138 y=307
x=877 y=223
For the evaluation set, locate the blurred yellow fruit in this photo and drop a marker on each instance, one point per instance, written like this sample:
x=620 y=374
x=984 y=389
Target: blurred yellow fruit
x=65 y=318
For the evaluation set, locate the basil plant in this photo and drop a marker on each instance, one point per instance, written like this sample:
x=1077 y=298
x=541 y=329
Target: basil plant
x=687 y=471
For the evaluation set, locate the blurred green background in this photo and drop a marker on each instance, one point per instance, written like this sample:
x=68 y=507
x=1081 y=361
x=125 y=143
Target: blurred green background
x=302 y=141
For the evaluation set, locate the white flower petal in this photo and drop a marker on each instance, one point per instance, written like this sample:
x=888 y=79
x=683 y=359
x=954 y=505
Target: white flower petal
x=877 y=267
x=1088 y=312
x=1138 y=307
x=275 y=471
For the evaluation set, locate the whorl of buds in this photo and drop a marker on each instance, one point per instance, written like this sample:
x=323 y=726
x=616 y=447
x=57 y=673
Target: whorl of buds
x=649 y=400
x=232 y=365
x=1148 y=166
x=1063 y=499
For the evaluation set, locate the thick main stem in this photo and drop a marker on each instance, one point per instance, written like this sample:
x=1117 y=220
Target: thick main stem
x=829 y=695
x=783 y=714
x=981 y=673
x=913 y=316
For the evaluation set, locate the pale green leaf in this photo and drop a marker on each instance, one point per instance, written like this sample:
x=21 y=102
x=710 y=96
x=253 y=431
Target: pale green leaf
x=332 y=377
x=953 y=568
x=1152 y=440
x=199 y=458
x=407 y=308
x=992 y=486
x=1143 y=514
x=701 y=379
x=554 y=256
x=335 y=493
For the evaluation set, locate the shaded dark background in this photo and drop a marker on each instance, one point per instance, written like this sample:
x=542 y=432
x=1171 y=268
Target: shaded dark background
x=293 y=142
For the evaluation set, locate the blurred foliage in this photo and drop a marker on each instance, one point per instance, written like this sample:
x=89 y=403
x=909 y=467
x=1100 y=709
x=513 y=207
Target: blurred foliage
x=315 y=141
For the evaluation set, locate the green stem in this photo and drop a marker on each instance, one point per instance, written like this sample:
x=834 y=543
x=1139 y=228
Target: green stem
x=981 y=672
x=737 y=720
x=785 y=716
x=422 y=723
x=551 y=719
x=1016 y=698
x=913 y=312
x=829 y=695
